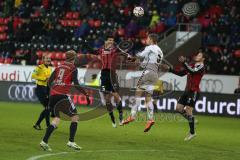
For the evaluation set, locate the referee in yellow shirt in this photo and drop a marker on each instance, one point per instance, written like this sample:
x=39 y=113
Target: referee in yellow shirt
x=41 y=74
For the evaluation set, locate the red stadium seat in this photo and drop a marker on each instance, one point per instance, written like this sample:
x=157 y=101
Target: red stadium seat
x=2 y=28
x=8 y=60
x=52 y=55
x=97 y=23
x=121 y=32
x=75 y=15
x=63 y=55
x=237 y=53
x=39 y=54
x=1 y=60
x=6 y=20
x=63 y=23
x=91 y=22
x=58 y=55
x=77 y=23
x=54 y=63
x=68 y=15
x=3 y=36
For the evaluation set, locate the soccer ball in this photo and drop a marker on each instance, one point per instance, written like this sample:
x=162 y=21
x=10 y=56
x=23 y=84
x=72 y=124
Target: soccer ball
x=138 y=11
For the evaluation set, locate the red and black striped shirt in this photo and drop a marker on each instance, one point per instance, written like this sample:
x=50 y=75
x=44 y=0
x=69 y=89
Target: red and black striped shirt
x=108 y=58
x=194 y=74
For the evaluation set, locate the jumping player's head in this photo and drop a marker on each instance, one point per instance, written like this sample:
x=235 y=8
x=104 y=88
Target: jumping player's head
x=46 y=60
x=71 y=56
x=109 y=42
x=200 y=57
x=152 y=39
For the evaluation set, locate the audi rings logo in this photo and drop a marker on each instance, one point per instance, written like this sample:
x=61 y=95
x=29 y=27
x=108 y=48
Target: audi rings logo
x=211 y=85
x=22 y=92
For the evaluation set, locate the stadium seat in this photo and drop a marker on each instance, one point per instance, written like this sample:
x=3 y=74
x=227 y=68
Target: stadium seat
x=8 y=60
x=97 y=23
x=237 y=53
x=77 y=23
x=63 y=55
x=68 y=15
x=58 y=55
x=1 y=60
x=54 y=63
x=91 y=22
x=39 y=54
x=75 y=15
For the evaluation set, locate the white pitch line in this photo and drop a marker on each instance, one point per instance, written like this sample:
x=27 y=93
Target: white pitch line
x=46 y=155
x=89 y=151
x=110 y=150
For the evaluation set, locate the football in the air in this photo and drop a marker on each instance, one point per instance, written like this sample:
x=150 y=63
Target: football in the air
x=138 y=11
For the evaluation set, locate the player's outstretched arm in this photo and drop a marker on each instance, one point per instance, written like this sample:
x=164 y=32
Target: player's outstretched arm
x=172 y=70
x=195 y=69
x=198 y=68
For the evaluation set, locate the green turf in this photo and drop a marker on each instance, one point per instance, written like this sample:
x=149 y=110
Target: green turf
x=218 y=138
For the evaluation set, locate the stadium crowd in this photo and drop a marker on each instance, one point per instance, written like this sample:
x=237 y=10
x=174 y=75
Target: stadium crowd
x=28 y=28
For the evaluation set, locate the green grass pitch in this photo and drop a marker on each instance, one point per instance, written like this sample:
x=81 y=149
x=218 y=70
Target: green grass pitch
x=217 y=138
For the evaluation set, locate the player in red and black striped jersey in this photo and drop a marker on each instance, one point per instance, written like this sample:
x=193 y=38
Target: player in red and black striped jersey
x=186 y=102
x=108 y=55
x=61 y=81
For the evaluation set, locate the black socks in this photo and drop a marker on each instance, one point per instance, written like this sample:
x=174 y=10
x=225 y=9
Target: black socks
x=112 y=117
x=191 y=124
x=73 y=130
x=119 y=107
x=48 y=133
x=44 y=114
x=191 y=121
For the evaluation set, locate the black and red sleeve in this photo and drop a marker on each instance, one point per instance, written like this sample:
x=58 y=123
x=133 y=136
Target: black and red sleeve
x=196 y=69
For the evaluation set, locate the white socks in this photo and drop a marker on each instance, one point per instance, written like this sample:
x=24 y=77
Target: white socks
x=135 y=107
x=150 y=109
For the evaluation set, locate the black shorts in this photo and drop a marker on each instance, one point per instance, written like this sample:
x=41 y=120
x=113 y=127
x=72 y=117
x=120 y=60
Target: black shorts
x=62 y=104
x=42 y=94
x=188 y=98
x=109 y=81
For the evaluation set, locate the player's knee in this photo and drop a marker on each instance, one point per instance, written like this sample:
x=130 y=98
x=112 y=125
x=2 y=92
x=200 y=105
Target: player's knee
x=179 y=108
x=75 y=118
x=56 y=121
x=189 y=110
x=109 y=107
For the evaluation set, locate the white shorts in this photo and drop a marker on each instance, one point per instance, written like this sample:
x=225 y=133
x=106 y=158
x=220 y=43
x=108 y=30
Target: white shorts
x=147 y=81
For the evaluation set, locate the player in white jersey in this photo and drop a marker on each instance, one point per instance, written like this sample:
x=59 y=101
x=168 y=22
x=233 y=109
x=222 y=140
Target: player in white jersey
x=152 y=57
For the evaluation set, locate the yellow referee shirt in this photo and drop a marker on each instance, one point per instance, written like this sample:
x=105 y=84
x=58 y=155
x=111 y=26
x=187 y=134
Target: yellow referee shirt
x=41 y=74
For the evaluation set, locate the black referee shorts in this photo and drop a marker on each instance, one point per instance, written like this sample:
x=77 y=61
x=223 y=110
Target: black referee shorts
x=188 y=98
x=109 y=81
x=42 y=94
x=62 y=104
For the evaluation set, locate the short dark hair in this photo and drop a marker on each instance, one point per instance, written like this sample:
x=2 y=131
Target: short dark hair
x=110 y=35
x=153 y=37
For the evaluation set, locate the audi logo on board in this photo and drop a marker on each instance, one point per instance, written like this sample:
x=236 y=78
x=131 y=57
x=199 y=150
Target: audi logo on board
x=20 y=92
x=211 y=85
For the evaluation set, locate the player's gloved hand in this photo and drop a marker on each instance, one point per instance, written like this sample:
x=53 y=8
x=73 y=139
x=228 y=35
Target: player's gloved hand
x=165 y=67
x=131 y=59
x=182 y=59
x=88 y=100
